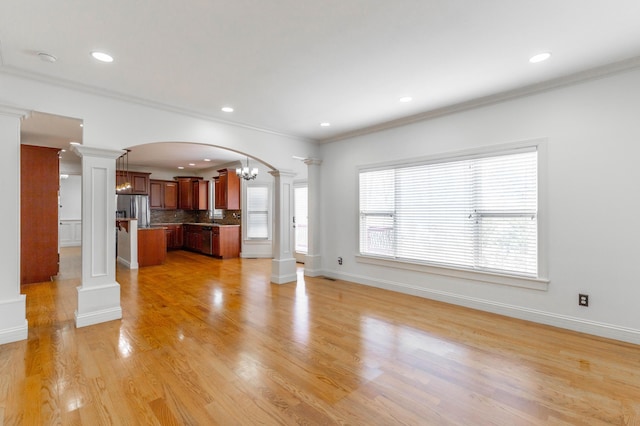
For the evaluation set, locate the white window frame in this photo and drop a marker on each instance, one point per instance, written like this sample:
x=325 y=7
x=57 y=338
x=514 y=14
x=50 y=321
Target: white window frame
x=540 y=282
x=269 y=210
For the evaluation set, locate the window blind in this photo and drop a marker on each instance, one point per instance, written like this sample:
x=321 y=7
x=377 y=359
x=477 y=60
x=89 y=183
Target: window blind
x=258 y=211
x=473 y=213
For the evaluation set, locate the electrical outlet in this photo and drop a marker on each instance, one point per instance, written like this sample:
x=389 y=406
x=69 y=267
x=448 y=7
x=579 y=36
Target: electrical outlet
x=583 y=299
x=339 y=261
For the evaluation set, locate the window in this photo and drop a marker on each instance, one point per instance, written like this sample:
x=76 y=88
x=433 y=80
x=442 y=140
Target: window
x=257 y=211
x=301 y=218
x=477 y=212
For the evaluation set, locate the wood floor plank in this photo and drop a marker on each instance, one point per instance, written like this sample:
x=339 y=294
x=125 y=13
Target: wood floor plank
x=208 y=341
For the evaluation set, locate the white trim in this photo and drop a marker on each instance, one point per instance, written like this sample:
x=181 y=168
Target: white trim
x=581 y=325
x=13 y=317
x=97 y=317
x=15 y=334
x=471 y=275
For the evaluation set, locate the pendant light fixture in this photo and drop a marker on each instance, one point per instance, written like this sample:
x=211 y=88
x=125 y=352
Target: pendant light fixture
x=246 y=173
x=121 y=171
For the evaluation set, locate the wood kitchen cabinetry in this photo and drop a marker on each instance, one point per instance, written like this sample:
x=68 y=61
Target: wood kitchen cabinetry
x=226 y=241
x=193 y=237
x=139 y=182
x=152 y=249
x=163 y=194
x=174 y=236
x=227 y=190
x=221 y=241
x=193 y=193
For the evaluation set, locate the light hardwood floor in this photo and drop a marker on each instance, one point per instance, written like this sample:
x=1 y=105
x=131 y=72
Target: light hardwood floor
x=205 y=341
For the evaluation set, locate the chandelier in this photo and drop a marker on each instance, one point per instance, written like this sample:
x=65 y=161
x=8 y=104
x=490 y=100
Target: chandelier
x=122 y=172
x=246 y=173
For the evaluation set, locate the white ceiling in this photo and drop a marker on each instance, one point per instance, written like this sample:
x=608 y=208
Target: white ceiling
x=287 y=65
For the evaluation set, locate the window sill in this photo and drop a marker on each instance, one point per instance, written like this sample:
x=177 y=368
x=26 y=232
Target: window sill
x=487 y=277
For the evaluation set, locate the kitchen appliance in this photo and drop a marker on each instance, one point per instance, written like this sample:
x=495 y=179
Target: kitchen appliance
x=207 y=240
x=134 y=206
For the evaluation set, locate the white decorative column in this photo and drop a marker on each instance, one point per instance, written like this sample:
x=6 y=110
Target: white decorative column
x=313 y=258
x=13 y=318
x=283 y=265
x=99 y=293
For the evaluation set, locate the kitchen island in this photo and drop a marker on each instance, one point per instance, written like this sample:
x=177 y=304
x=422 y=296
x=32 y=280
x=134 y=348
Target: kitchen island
x=152 y=246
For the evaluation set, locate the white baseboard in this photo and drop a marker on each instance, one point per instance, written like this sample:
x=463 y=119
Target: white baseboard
x=92 y=318
x=13 y=320
x=14 y=334
x=595 y=328
x=127 y=264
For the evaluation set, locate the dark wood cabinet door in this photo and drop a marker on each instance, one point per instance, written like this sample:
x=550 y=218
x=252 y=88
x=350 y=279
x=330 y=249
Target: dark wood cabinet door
x=156 y=195
x=171 y=195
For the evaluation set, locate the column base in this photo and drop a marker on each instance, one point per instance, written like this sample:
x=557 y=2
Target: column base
x=312 y=265
x=13 y=319
x=98 y=304
x=283 y=271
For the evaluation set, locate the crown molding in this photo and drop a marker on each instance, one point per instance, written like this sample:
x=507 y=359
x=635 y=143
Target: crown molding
x=17 y=72
x=564 y=81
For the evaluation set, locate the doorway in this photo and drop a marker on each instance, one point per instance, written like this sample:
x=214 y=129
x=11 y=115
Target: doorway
x=51 y=134
x=301 y=220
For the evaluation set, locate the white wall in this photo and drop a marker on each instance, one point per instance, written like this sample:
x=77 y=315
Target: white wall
x=593 y=201
x=71 y=198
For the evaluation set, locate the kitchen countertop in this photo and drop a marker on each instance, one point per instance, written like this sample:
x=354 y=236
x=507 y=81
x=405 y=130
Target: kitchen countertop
x=190 y=223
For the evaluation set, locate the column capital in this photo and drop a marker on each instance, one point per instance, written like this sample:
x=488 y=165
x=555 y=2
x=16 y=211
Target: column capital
x=282 y=173
x=312 y=161
x=90 y=151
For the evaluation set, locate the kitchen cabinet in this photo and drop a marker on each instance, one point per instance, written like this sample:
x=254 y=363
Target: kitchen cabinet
x=222 y=241
x=139 y=182
x=163 y=194
x=226 y=241
x=227 y=190
x=193 y=193
x=193 y=237
x=174 y=236
x=152 y=248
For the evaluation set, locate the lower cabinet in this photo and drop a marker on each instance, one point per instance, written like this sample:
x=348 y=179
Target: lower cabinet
x=221 y=241
x=226 y=241
x=193 y=237
x=174 y=237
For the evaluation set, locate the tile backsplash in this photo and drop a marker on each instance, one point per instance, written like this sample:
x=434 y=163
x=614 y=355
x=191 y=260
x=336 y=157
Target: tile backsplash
x=230 y=217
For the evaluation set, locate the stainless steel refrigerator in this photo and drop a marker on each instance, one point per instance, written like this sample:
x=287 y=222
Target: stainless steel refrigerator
x=134 y=206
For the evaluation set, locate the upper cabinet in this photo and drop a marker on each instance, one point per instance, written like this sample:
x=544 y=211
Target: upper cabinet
x=139 y=182
x=193 y=193
x=163 y=194
x=227 y=190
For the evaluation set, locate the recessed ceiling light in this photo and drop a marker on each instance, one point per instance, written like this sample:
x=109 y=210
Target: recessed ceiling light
x=227 y=109
x=406 y=99
x=63 y=150
x=540 y=57
x=180 y=167
x=207 y=159
x=47 y=57
x=81 y=125
x=192 y=164
x=102 y=57
x=74 y=143
x=325 y=124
